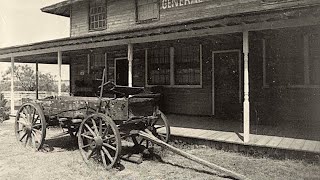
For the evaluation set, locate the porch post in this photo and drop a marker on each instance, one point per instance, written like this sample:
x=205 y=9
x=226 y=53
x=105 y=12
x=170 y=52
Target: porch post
x=130 y=59
x=37 y=80
x=12 y=87
x=246 y=104
x=59 y=75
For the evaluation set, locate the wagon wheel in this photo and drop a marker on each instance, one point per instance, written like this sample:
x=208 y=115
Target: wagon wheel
x=159 y=127
x=30 y=126
x=99 y=140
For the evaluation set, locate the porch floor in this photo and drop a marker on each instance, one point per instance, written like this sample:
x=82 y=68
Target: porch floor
x=283 y=137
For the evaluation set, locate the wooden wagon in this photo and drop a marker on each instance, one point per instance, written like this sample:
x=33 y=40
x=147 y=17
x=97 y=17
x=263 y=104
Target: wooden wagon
x=99 y=123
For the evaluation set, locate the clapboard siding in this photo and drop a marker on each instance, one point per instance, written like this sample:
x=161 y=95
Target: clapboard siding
x=79 y=19
x=121 y=14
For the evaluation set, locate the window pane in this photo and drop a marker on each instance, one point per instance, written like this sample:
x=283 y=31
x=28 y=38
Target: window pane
x=158 y=68
x=147 y=10
x=97 y=14
x=187 y=65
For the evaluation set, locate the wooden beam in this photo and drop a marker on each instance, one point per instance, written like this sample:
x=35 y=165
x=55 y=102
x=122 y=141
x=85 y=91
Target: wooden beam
x=37 y=80
x=130 y=59
x=178 y=35
x=59 y=75
x=246 y=104
x=12 y=87
x=171 y=66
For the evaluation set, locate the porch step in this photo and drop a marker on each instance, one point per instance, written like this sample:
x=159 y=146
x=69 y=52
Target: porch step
x=274 y=146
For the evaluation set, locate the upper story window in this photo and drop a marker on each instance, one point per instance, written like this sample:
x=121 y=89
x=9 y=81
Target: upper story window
x=97 y=15
x=147 y=10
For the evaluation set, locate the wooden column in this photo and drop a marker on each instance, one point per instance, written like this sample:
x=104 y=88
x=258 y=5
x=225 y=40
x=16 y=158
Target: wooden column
x=246 y=104
x=12 y=87
x=37 y=80
x=130 y=59
x=59 y=75
x=171 y=66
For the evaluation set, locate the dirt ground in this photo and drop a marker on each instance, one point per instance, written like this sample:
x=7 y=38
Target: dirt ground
x=62 y=160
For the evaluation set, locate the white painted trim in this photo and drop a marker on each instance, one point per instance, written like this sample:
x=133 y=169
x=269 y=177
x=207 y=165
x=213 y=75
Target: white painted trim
x=115 y=67
x=213 y=78
x=130 y=68
x=12 y=87
x=246 y=102
x=59 y=75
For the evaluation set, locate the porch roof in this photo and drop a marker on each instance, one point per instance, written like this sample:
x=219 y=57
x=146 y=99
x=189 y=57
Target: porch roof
x=61 y=8
x=207 y=27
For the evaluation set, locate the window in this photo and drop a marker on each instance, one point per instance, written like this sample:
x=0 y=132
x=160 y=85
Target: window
x=97 y=14
x=159 y=66
x=187 y=65
x=178 y=66
x=293 y=59
x=147 y=10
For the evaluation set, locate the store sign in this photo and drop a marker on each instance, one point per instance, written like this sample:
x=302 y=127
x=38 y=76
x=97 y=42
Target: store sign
x=168 y=4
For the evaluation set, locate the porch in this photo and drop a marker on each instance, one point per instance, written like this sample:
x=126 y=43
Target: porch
x=282 y=141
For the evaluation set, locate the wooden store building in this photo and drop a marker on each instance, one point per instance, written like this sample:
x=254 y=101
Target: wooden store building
x=235 y=59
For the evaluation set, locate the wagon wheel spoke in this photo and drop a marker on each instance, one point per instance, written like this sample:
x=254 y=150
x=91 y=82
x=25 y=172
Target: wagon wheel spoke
x=154 y=122
x=100 y=127
x=85 y=146
x=35 y=136
x=33 y=140
x=107 y=153
x=89 y=128
x=23 y=136
x=36 y=125
x=96 y=131
x=106 y=131
x=90 y=153
x=27 y=139
x=109 y=146
x=86 y=136
x=109 y=138
x=103 y=158
x=23 y=123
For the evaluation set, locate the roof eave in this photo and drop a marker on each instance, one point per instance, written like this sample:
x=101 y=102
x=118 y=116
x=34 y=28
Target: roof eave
x=61 y=8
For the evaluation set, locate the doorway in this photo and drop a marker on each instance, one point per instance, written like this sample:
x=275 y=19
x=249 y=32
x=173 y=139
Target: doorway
x=227 y=84
x=121 y=73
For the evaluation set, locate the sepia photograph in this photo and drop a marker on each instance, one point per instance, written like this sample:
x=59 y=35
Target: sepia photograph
x=159 y=89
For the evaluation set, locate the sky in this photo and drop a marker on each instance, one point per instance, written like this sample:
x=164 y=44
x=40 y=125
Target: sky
x=22 y=22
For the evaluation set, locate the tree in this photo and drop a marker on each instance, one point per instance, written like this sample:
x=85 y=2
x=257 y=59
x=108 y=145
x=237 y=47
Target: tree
x=25 y=80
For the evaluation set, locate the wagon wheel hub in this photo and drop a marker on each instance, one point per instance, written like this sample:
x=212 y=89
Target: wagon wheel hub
x=98 y=142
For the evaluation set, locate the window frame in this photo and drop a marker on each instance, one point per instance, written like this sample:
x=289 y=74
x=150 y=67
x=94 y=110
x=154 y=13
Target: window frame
x=89 y=16
x=147 y=20
x=172 y=71
x=306 y=58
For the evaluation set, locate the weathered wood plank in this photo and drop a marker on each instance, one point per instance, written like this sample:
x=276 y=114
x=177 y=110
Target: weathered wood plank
x=263 y=140
x=309 y=145
x=274 y=141
x=285 y=143
x=297 y=144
